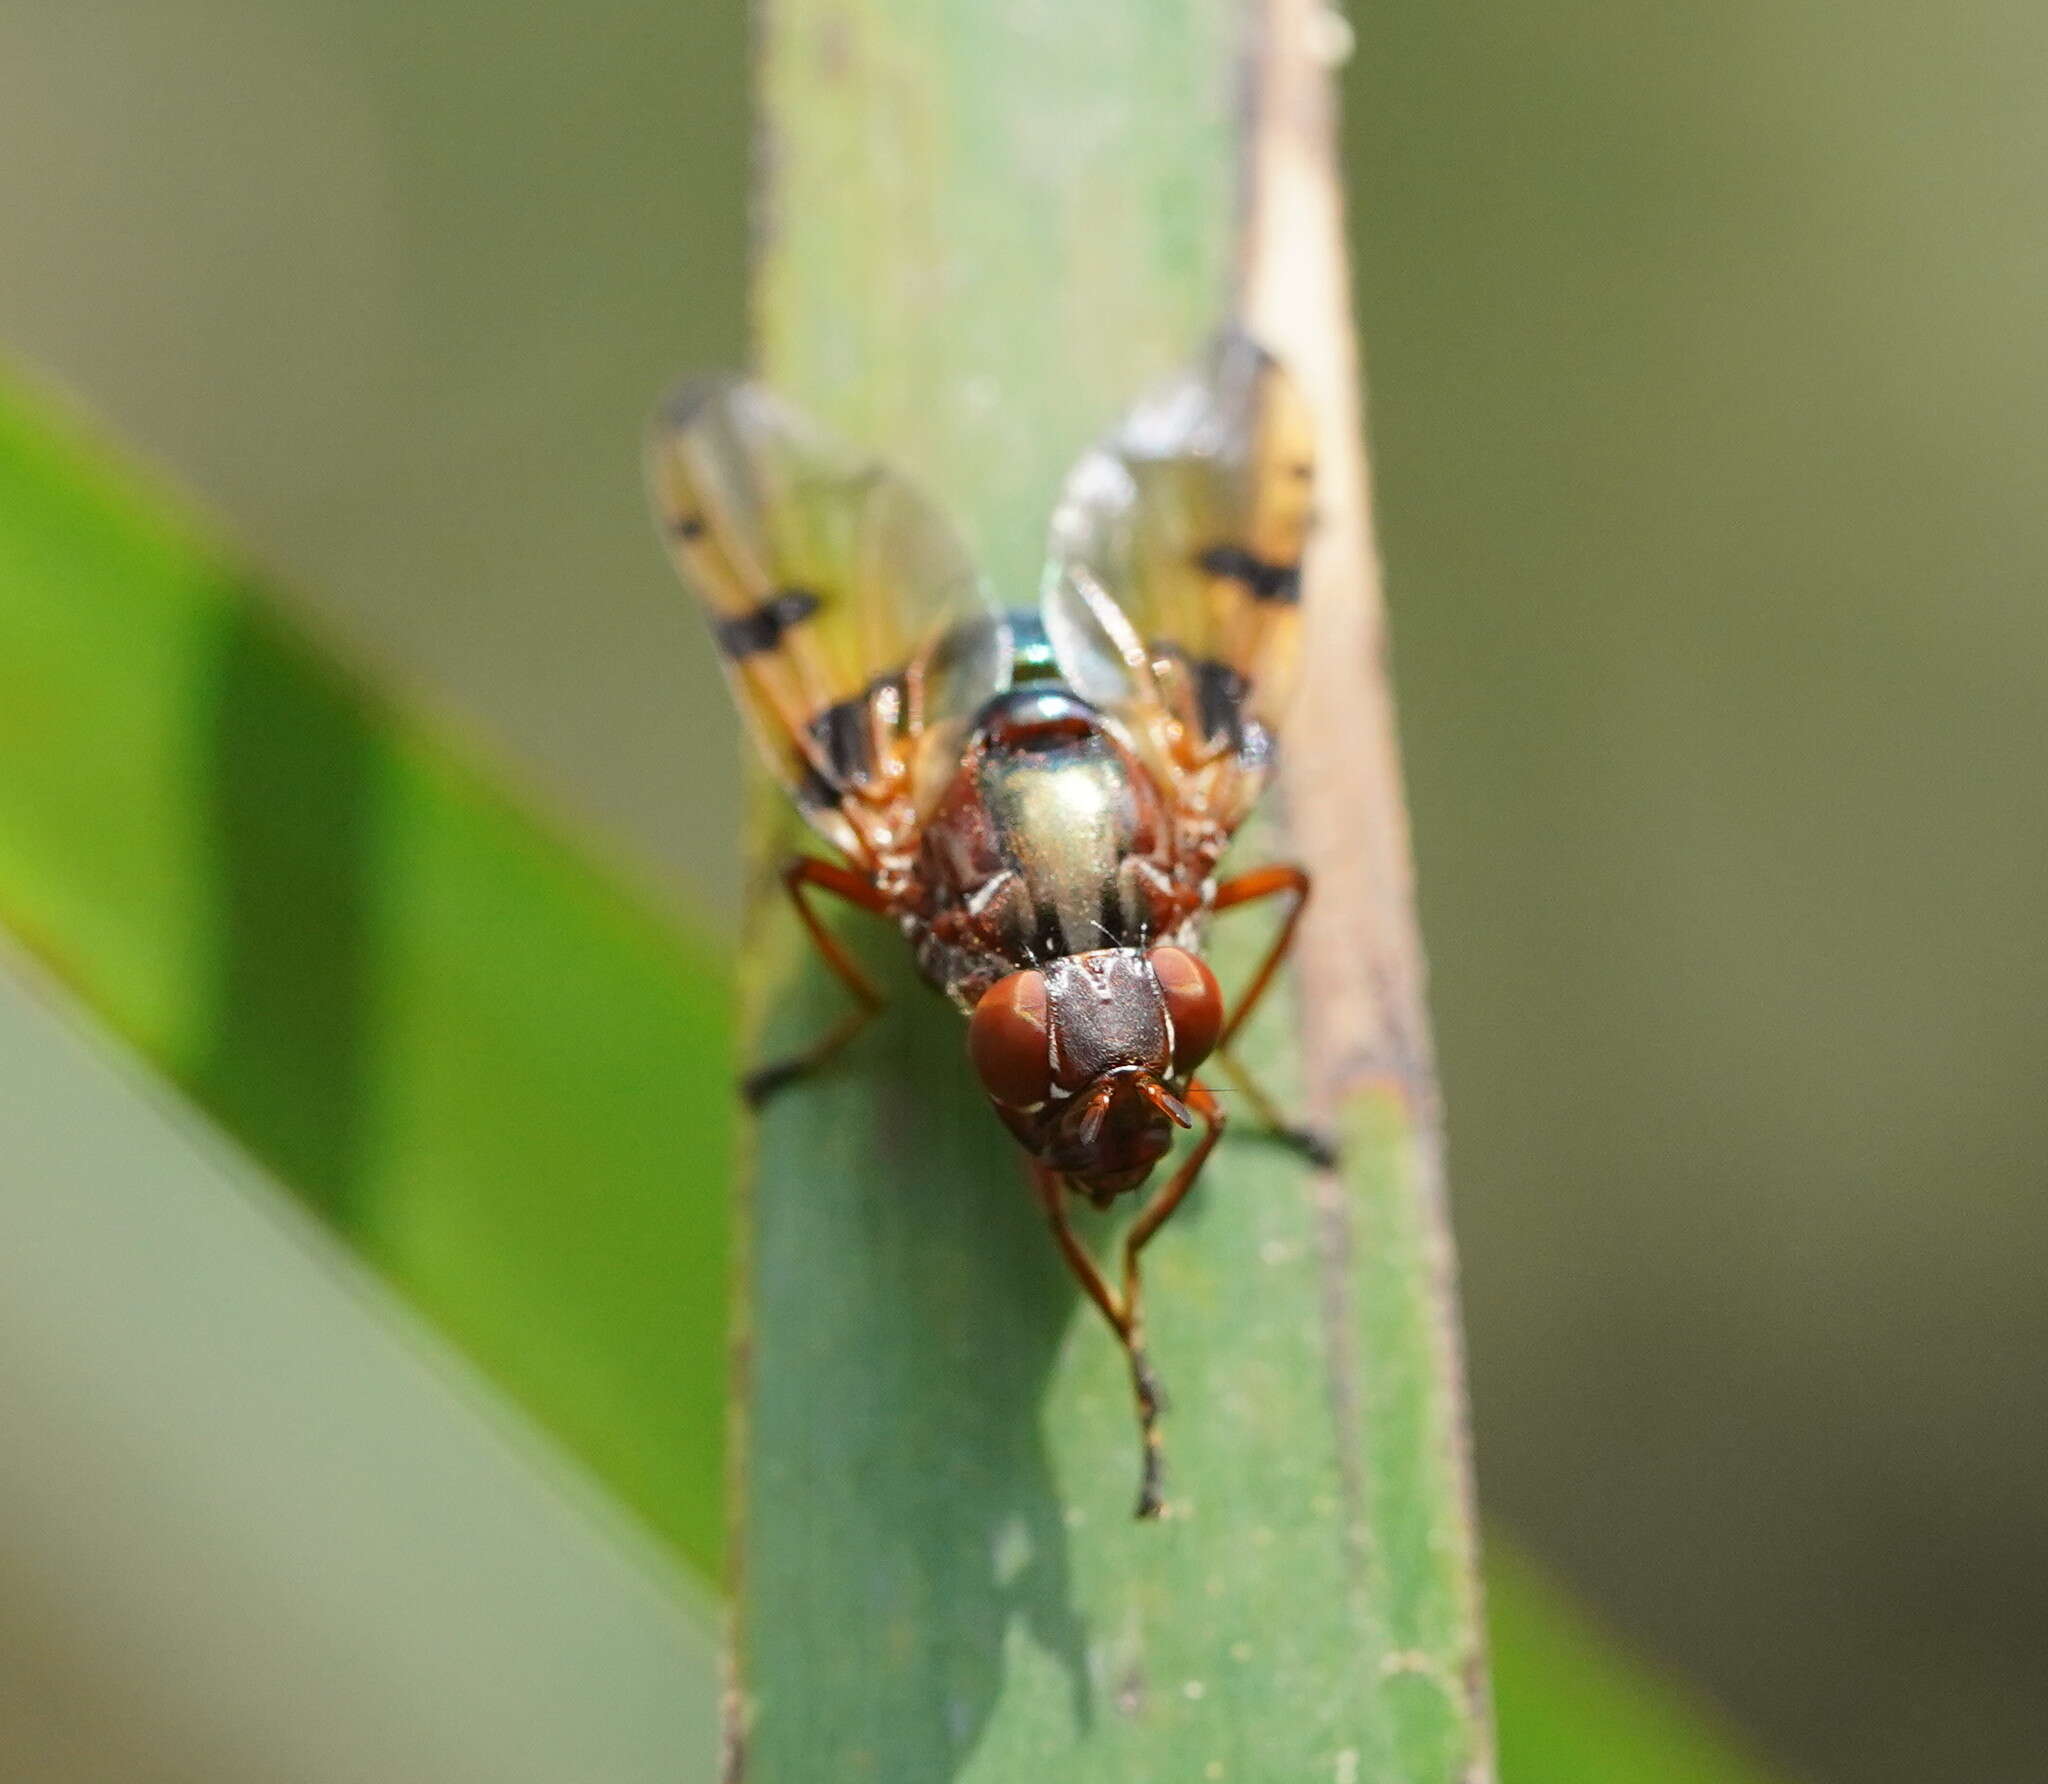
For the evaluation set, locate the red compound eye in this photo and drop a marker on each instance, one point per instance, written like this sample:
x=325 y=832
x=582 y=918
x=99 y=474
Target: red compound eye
x=1194 y=1003
x=1008 y=1042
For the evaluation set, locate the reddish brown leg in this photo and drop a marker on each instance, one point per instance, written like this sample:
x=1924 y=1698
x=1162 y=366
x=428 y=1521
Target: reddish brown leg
x=842 y=882
x=1277 y=880
x=1121 y=1311
x=1052 y=1197
x=1154 y=1215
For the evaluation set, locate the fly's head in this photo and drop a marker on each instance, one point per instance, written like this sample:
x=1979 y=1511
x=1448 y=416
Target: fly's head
x=1080 y=1059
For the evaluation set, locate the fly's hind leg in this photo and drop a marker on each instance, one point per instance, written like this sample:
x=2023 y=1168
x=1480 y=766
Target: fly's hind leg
x=1295 y=1135
x=1277 y=880
x=826 y=876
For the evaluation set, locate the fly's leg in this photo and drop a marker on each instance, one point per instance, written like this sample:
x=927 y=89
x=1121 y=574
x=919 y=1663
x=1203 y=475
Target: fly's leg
x=1294 y=1135
x=808 y=871
x=1122 y=1310
x=1277 y=880
x=1052 y=1198
x=1154 y=1215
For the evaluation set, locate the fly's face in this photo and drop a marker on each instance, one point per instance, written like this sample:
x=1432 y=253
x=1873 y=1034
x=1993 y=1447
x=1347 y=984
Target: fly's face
x=1081 y=1059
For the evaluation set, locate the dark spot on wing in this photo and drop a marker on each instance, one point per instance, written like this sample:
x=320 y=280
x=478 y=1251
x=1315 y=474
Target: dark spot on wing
x=816 y=792
x=845 y=733
x=764 y=627
x=845 y=736
x=1261 y=579
x=1219 y=700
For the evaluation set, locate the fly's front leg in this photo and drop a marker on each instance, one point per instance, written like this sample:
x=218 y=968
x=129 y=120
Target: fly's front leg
x=1277 y=880
x=1154 y=1215
x=1116 y=1309
x=842 y=882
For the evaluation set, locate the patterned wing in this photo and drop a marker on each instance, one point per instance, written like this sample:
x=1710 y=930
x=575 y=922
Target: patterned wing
x=857 y=637
x=1174 y=572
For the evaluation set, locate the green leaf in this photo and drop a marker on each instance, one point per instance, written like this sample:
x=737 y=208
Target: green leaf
x=440 y=1018
x=257 y=1524
x=1574 y=1708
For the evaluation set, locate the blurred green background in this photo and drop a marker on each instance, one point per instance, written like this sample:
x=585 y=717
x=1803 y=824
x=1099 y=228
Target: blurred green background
x=1709 y=400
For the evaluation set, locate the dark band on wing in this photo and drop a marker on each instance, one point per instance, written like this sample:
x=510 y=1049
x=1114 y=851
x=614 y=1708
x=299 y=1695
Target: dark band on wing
x=1262 y=579
x=845 y=736
x=1219 y=700
x=1222 y=699
x=845 y=753
x=816 y=792
x=764 y=627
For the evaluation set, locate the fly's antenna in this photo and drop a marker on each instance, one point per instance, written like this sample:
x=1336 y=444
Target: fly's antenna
x=1095 y=1111
x=1165 y=1102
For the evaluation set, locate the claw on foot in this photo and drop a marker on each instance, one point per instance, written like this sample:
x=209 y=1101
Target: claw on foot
x=1318 y=1149
x=759 y=1085
x=1151 y=1403
x=1151 y=1505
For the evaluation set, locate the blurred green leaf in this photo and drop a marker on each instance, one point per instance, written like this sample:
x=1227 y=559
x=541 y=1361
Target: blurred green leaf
x=437 y=1015
x=1574 y=1708
x=258 y=1524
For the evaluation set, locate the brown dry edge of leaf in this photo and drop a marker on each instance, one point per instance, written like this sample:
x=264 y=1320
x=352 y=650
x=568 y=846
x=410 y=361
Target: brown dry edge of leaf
x=1359 y=959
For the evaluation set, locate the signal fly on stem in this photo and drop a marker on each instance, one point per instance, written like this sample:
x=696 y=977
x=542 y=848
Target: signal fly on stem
x=1037 y=798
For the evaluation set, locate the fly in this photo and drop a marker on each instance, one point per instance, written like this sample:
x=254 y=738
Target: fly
x=1038 y=799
